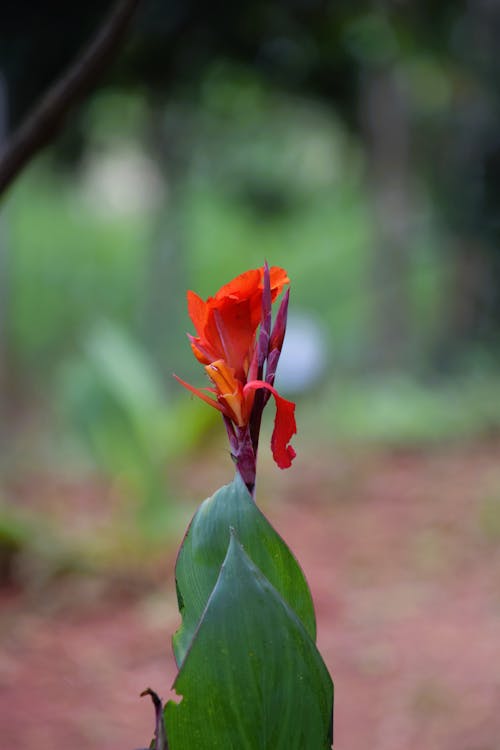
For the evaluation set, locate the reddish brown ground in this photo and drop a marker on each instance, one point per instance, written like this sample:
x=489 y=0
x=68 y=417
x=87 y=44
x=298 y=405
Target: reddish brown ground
x=402 y=551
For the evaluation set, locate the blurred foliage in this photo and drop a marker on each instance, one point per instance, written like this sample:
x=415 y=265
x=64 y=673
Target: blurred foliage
x=68 y=265
x=33 y=551
x=356 y=146
x=286 y=183
x=13 y=536
x=117 y=404
x=401 y=410
x=267 y=177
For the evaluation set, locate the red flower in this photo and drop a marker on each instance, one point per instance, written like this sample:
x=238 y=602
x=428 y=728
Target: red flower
x=227 y=323
x=226 y=344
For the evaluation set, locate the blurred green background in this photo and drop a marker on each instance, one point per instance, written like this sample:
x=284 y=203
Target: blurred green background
x=358 y=151
x=355 y=144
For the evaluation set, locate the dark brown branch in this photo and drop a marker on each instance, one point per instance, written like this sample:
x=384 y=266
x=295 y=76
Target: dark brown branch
x=47 y=118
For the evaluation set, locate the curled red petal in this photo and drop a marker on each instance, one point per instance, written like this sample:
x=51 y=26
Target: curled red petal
x=240 y=288
x=284 y=424
x=278 y=278
x=201 y=350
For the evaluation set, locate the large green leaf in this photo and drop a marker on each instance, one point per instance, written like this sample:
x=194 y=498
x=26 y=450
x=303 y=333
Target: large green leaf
x=205 y=547
x=252 y=678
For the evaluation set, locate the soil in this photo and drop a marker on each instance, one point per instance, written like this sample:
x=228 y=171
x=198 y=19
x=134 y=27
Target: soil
x=402 y=552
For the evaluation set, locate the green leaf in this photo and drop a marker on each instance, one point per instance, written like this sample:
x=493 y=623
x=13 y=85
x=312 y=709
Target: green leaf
x=205 y=547
x=252 y=678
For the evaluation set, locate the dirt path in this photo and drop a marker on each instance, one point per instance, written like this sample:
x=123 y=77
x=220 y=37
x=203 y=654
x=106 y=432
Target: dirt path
x=402 y=551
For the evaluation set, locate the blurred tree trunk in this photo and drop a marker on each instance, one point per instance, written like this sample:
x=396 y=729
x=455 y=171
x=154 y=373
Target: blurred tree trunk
x=471 y=286
x=468 y=162
x=387 y=133
x=48 y=116
x=166 y=275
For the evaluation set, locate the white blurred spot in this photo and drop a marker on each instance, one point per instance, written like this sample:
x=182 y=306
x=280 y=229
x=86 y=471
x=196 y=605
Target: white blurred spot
x=122 y=181
x=304 y=357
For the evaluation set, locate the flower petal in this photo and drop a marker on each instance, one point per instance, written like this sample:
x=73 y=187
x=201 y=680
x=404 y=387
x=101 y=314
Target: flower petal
x=198 y=311
x=284 y=424
x=227 y=323
x=242 y=287
x=278 y=278
x=201 y=351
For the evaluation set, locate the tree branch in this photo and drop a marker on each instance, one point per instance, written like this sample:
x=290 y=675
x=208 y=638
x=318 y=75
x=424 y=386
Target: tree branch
x=47 y=118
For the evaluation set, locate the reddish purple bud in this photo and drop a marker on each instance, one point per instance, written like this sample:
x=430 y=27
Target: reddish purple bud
x=265 y=325
x=279 y=328
x=272 y=365
x=255 y=371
